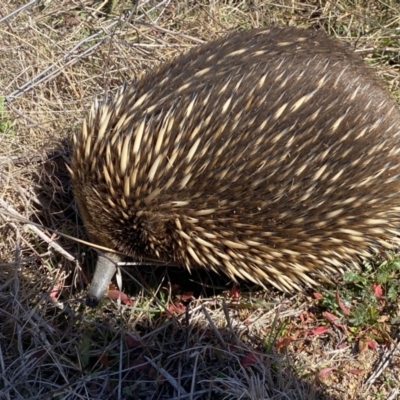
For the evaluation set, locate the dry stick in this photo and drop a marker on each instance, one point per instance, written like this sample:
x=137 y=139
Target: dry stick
x=10 y=212
x=55 y=246
x=383 y=362
x=198 y=393
x=172 y=33
x=120 y=368
x=22 y=192
x=393 y=394
x=194 y=377
x=42 y=77
x=216 y=331
x=17 y=10
x=58 y=66
x=226 y=312
x=167 y=376
x=169 y=323
x=6 y=383
x=42 y=235
x=17 y=257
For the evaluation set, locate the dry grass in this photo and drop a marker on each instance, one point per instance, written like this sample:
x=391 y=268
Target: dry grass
x=56 y=55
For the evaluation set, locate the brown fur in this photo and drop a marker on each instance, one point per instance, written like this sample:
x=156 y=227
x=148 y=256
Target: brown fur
x=270 y=155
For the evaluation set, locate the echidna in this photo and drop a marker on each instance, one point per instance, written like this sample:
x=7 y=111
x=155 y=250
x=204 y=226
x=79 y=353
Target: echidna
x=270 y=155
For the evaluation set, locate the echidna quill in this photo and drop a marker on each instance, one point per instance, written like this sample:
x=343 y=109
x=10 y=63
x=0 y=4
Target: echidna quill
x=270 y=155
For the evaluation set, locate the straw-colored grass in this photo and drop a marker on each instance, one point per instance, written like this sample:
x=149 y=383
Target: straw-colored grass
x=55 y=56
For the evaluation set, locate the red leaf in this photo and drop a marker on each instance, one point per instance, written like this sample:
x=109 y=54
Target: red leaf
x=235 y=293
x=332 y=318
x=283 y=342
x=176 y=308
x=318 y=331
x=249 y=359
x=378 y=290
x=372 y=344
x=305 y=317
x=55 y=291
x=132 y=342
x=317 y=295
x=175 y=287
x=355 y=371
x=344 y=309
x=114 y=295
x=104 y=360
x=324 y=372
x=187 y=296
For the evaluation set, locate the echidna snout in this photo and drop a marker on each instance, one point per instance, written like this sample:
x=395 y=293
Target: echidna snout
x=105 y=270
x=269 y=155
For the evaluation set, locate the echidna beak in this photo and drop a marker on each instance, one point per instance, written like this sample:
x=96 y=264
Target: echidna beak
x=105 y=269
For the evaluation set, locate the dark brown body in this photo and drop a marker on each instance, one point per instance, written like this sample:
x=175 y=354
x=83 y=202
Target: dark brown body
x=270 y=155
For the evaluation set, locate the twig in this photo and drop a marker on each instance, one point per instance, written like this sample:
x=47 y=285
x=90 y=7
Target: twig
x=22 y=8
x=42 y=235
x=383 y=362
x=167 y=376
x=58 y=66
x=216 y=331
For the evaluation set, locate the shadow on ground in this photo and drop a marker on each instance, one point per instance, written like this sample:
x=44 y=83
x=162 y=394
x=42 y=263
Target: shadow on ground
x=184 y=336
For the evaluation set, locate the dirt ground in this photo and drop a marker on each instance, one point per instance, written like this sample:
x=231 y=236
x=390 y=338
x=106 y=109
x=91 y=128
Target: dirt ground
x=171 y=335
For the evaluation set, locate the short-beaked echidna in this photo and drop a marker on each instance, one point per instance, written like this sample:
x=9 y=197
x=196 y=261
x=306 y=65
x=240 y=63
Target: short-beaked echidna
x=270 y=155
